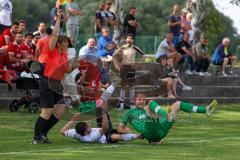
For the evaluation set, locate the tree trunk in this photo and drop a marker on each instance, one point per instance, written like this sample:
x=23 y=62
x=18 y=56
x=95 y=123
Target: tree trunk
x=197 y=8
x=118 y=11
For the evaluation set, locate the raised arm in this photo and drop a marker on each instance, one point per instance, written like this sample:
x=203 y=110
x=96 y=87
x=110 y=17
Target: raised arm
x=55 y=34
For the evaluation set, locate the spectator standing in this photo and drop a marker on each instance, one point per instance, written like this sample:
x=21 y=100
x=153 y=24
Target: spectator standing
x=5 y=14
x=190 y=31
x=100 y=19
x=130 y=24
x=185 y=25
x=72 y=24
x=53 y=14
x=42 y=47
x=41 y=29
x=174 y=24
x=111 y=18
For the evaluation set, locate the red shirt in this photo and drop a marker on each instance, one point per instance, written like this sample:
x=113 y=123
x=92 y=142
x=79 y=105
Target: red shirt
x=27 y=51
x=6 y=32
x=92 y=79
x=56 y=64
x=17 y=51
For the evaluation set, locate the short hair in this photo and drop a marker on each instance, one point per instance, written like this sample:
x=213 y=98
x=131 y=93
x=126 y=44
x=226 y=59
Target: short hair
x=129 y=35
x=131 y=8
x=226 y=39
x=28 y=34
x=105 y=28
x=19 y=33
x=49 y=31
x=189 y=14
x=140 y=94
x=81 y=128
x=15 y=23
x=168 y=33
x=21 y=21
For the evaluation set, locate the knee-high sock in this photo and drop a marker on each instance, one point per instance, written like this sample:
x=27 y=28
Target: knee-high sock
x=188 y=107
x=40 y=126
x=51 y=122
x=154 y=107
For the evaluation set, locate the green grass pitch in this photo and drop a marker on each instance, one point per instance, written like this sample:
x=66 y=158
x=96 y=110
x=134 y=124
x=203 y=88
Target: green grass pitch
x=193 y=137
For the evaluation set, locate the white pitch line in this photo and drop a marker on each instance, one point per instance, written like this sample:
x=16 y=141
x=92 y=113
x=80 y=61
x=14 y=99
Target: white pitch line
x=63 y=149
x=115 y=146
x=206 y=140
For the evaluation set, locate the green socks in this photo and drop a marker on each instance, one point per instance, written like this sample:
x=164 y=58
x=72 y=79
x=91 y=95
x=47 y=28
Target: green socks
x=188 y=107
x=154 y=107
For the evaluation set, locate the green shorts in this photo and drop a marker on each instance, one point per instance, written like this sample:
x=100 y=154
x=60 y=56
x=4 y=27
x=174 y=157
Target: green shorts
x=157 y=129
x=87 y=107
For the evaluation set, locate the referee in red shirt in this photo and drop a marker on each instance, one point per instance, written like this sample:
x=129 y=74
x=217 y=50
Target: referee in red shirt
x=51 y=94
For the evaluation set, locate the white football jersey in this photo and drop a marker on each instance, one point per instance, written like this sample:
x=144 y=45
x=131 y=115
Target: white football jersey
x=93 y=137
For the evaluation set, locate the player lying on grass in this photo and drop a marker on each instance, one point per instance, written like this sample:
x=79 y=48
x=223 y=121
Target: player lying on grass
x=153 y=122
x=84 y=133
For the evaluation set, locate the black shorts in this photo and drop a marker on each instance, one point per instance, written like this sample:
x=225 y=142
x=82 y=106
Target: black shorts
x=51 y=93
x=108 y=135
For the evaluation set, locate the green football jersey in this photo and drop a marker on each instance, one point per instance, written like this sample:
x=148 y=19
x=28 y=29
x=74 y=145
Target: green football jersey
x=136 y=118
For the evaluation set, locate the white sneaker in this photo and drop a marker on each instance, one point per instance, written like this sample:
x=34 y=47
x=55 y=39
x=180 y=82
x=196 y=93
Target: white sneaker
x=224 y=74
x=207 y=74
x=194 y=72
x=187 y=88
x=201 y=74
x=231 y=73
x=188 y=72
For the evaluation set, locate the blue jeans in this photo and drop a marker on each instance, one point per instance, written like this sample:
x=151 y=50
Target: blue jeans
x=176 y=40
x=188 y=60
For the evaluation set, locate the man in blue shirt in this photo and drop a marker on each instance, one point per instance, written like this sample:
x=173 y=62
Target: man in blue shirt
x=174 y=24
x=106 y=49
x=90 y=51
x=105 y=44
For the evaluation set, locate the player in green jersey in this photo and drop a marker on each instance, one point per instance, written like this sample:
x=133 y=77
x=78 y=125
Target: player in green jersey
x=153 y=121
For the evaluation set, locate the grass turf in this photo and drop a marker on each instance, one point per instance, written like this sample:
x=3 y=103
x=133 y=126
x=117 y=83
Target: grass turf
x=193 y=137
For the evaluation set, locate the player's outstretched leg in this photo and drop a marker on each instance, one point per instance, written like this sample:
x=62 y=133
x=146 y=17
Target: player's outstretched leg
x=191 y=108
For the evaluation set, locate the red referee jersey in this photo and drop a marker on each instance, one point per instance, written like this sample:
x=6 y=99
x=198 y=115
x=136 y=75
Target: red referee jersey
x=56 y=65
